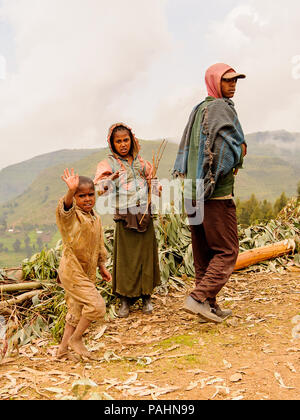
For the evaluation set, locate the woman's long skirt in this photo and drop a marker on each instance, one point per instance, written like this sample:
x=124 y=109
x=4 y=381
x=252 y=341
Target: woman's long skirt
x=136 y=265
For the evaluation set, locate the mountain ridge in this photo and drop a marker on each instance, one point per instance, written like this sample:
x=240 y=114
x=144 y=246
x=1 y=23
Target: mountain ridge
x=268 y=171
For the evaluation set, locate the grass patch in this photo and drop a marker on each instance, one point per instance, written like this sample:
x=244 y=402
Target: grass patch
x=11 y=259
x=183 y=340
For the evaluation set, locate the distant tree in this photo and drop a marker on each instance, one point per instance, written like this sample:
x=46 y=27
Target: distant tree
x=256 y=216
x=253 y=211
x=267 y=210
x=17 y=245
x=27 y=227
x=39 y=243
x=3 y=223
x=28 y=251
x=280 y=203
x=249 y=211
x=27 y=241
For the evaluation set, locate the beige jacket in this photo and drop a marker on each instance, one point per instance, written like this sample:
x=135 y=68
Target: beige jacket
x=83 y=244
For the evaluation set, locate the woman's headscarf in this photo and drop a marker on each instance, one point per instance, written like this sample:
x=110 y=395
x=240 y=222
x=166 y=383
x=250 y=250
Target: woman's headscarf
x=135 y=147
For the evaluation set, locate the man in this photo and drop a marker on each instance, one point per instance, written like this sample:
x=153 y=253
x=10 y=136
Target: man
x=212 y=150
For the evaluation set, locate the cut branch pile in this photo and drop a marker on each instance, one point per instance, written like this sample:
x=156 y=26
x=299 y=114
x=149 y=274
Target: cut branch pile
x=285 y=229
x=33 y=302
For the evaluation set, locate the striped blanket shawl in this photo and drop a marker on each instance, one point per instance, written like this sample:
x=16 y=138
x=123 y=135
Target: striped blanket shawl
x=221 y=137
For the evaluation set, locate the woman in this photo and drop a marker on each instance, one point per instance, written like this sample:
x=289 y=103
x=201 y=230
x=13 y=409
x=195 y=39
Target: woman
x=136 y=267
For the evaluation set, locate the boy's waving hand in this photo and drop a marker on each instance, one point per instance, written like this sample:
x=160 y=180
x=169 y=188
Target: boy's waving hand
x=71 y=179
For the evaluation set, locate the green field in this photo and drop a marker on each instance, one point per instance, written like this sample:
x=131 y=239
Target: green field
x=10 y=257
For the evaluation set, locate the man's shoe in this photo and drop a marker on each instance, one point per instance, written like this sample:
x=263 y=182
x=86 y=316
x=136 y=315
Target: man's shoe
x=147 y=305
x=124 y=308
x=222 y=313
x=202 y=309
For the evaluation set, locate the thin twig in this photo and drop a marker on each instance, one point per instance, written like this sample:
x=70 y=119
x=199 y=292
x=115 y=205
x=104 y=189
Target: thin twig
x=156 y=161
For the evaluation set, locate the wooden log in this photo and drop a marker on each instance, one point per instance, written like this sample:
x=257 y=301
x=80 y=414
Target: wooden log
x=19 y=287
x=19 y=299
x=264 y=253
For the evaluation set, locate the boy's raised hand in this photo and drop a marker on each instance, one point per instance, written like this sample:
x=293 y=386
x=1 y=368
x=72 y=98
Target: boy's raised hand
x=71 y=179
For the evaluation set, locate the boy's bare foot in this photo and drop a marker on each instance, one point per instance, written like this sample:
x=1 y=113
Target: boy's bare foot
x=78 y=347
x=62 y=352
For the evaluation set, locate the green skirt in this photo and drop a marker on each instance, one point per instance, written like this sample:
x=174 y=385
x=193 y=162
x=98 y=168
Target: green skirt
x=136 y=265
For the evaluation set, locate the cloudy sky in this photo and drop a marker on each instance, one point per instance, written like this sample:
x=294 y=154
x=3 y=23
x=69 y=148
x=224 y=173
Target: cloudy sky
x=69 y=69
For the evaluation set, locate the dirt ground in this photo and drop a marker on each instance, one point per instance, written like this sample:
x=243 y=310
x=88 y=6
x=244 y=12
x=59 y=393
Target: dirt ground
x=170 y=355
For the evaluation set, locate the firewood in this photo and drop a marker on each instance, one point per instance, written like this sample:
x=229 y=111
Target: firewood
x=20 y=287
x=264 y=253
x=19 y=299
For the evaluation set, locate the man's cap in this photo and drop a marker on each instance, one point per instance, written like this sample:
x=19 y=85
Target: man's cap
x=233 y=75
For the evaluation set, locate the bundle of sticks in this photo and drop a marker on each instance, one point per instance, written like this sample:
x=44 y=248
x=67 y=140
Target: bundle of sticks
x=14 y=290
x=156 y=158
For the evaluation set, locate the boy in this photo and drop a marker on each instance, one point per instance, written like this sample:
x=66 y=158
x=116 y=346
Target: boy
x=83 y=251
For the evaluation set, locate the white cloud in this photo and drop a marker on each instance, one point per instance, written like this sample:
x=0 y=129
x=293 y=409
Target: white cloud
x=74 y=60
x=261 y=38
x=85 y=64
x=2 y=67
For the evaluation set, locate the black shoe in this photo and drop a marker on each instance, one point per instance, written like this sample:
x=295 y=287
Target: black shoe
x=124 y=308
x=147 y=305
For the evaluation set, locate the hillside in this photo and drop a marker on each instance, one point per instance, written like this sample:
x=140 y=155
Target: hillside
x=281 y=144
x=15 y=179
x=267 y=177
x=270 y=168
x=37 y=204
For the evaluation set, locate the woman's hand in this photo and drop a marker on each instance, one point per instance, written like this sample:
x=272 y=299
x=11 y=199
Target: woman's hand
x=114 y=176
x=105 y=184
x=156 y=188
x=105 y=274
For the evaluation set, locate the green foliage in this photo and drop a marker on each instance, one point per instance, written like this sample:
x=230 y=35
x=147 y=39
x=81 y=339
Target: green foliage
x=48 y=311
x=253 y=211
x=280 y=203
x=43 y=266
x=285 y=227
x=17 y=245
x=176 y=263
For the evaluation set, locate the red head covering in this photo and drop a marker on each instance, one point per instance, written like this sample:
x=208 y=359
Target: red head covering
x=213 y=79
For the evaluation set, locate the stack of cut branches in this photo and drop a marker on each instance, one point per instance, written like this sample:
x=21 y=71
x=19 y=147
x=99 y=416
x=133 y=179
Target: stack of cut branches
x=32 y=301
